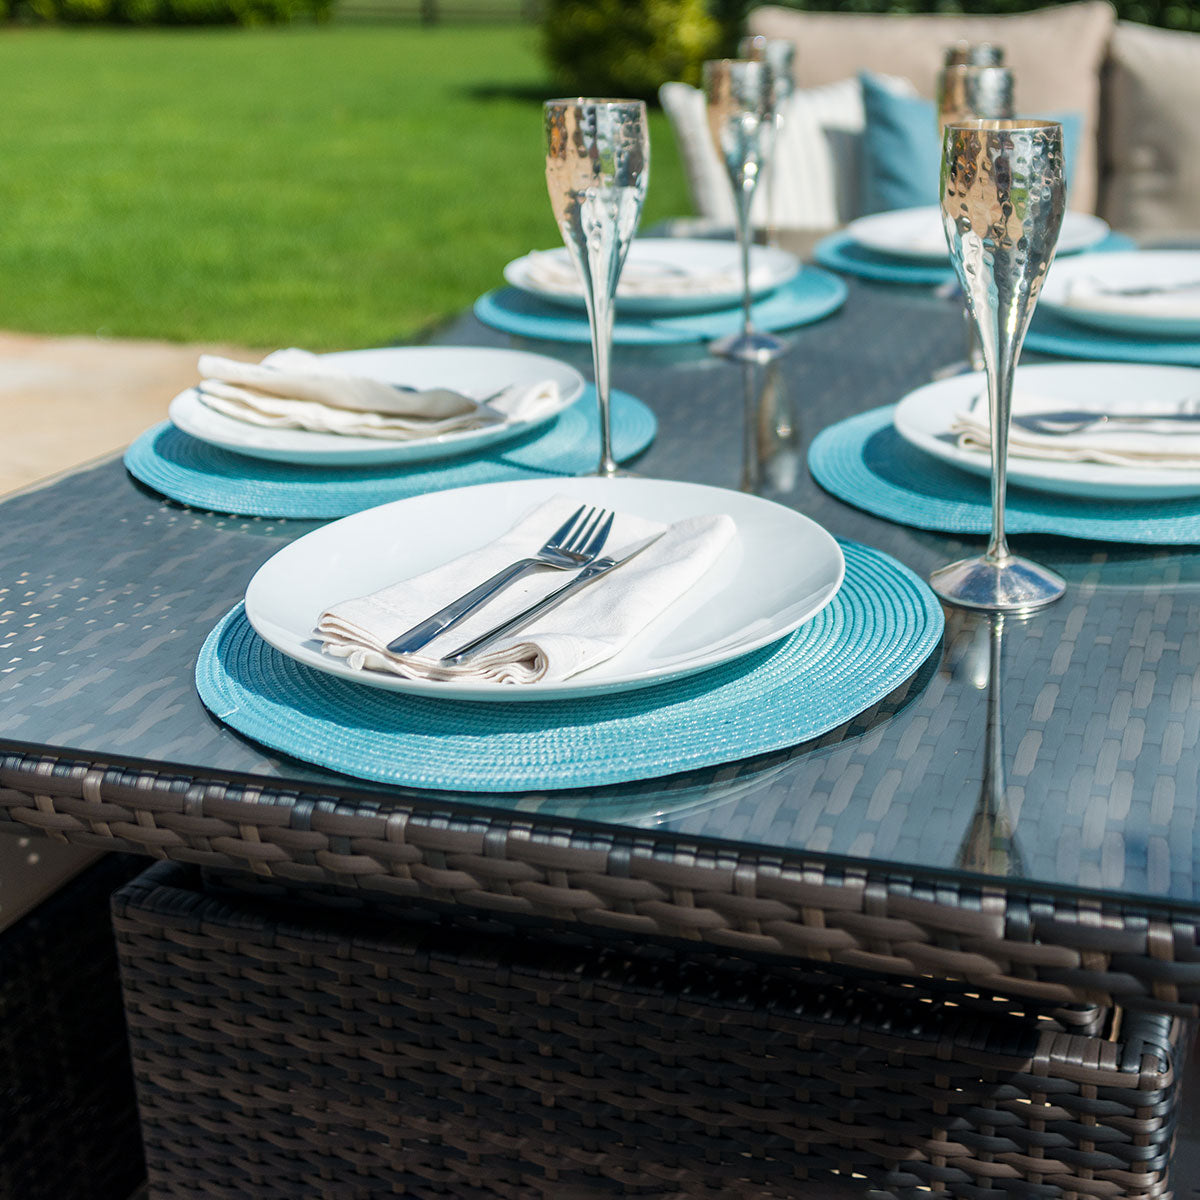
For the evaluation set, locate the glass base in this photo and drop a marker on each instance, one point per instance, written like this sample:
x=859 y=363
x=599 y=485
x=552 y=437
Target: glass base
x=749 y=347
x=997 y=585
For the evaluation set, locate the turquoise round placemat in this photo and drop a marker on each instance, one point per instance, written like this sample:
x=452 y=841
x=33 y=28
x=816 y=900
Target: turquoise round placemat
x=865 y=462
x=1052 y=334
x=811 y=295
x=881 y=626
x=840 y=252
x=192 y=472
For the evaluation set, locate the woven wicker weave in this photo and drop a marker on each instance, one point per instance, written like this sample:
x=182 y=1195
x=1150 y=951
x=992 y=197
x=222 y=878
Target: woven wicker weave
x=341 y=1056
x=1052 y=949
x=68 y=1123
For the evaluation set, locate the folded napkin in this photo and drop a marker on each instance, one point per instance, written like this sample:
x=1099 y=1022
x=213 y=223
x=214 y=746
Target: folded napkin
x=586 y=629
x=1175 y=301
x=1163 y=444
x=293 y=389
x=553 y=271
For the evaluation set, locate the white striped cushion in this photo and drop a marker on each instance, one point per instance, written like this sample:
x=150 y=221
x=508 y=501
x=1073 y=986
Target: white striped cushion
x=816 y=160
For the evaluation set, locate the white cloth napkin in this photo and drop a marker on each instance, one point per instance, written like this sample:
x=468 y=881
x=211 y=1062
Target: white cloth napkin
x=1163 y=444
x=293 y=389
x=586 y=629
x=1175 y=302
x=553 y=271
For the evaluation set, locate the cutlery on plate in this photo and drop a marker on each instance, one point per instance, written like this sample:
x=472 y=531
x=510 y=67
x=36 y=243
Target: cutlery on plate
x=588 y=575
x=1070 y=421
x=444 y=394
x=574 y=544
x=445 y=391
x=433 y=395
x=1146 y=289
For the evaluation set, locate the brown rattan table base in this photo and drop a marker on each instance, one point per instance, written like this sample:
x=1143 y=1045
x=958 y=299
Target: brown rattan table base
x=282 y=1051
x=68 y=1121
x=1049 y=948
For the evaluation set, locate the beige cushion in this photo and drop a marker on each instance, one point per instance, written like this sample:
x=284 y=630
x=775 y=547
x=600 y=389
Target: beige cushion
x=1151 y=177
x=1055 y=54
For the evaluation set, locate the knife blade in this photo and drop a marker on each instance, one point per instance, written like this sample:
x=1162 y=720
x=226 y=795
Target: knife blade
x=589 y=574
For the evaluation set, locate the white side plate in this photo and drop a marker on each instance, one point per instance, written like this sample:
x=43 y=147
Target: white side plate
x=474 y=371
x=780 y=569
x=770 y=268
x=917 y=233
x=1147 y=315
x=924 y=416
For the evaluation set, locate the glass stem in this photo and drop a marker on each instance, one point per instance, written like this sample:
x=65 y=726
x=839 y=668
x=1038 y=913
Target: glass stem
x=602 y=332
x=744 y=196
x=773 y=195
x=750 y=455
x=1000 y=385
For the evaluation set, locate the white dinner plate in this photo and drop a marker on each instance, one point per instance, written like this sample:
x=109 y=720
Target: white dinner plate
x=917 y=233
x=1132 y=269
x=780 y=569
x=924 y=416
x=770 y=268
x=472 y=370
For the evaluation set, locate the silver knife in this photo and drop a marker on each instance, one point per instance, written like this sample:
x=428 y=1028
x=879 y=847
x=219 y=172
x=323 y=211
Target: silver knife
x=1067 y=421
x=588 y=575
x=1149 y=289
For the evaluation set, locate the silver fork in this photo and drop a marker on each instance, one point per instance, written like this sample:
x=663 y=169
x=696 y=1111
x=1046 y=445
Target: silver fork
x=575 y=543
x=482 y=401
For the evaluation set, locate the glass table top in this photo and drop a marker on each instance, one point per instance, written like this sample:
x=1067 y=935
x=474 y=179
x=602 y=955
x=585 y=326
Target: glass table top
x=1061 y=750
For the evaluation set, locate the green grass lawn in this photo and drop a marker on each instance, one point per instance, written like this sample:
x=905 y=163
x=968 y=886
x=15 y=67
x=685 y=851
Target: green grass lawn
x=316 y=186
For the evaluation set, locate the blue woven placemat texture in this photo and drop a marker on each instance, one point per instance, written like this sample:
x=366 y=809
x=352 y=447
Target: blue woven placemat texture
x=874 y=635
x=811 y=295
x=192 y=472
x=866 y=463
x=1052 y=334
x=840 y=252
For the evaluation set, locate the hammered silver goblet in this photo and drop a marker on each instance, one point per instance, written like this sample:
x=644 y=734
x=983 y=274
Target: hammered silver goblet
x=968 y=90
x=967 y=93
x=741 y=118
x=780 y=55
x=1003 y=200
x=597 y=170
x=966 y=53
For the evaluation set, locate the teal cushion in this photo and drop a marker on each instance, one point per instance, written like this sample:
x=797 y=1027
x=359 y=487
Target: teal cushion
x=901 y=153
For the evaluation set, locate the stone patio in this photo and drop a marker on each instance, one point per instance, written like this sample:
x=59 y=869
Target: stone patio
x=68 y=400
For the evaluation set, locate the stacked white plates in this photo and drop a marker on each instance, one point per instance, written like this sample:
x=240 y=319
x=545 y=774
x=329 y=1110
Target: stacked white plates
x=780 y=569
x=1153 y=293
x=474 y=371
x=925 y=418
x=917 y=235
x=662 y=276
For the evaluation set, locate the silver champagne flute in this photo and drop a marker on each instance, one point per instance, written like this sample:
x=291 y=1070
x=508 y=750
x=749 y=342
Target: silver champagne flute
x=597 y=169
x=780 y=55
x=974 y=54
x=1003 y=199
x=966 y=91
x=967 y=54
x=741 y=119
